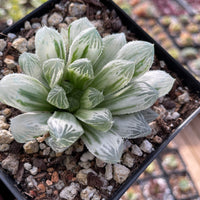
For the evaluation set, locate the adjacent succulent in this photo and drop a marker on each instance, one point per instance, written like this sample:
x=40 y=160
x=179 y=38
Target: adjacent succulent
x=184 y=184
x=78 y=85
x=170 y=161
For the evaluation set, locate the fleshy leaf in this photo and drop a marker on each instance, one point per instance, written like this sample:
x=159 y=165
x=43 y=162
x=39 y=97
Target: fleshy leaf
x=67 y=86
x=64 y=34
x=105 y=146
x=91 y=98
x=80 y=73
x=142 y=53
x=53 y=70
x=64 y=130
x=111 y=45
x=57 y=97
x=160 y=80
x=74 y=98
x=88 y=44
x=131 y=126
x=133 y=98
x=26 y=127
x=100 y=118
x=31 y=65
x=49 y=44
x=149 y=115
x=76 y=27
x=114 y=76
x=24 y=93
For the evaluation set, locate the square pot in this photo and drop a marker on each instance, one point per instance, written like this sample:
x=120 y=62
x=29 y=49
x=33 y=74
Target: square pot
x=161 y=54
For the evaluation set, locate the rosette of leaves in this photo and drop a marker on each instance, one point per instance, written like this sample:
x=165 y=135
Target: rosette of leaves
x=79 y=85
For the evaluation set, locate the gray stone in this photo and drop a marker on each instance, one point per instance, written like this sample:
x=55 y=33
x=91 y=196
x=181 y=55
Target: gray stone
x=34 y=170
x=154 y=127
x=44 y=20
x=82 y=175
x=99 y=25
x=36 y=25
x=69 y=150
x=59 y=185
x=4 y=126
x=31 y=147
x=77 y=9
x=11 y=36
x=70 y=163
x=175 y=115
x=49 y=191
x=27 y=25
x=100 y=163
x=136 y=150
x=20 y=44
x=109 y=172
x=2 y=118
x=85 y=165
x=42 y=146
x=62 y=26
x=87 y=193
x=128 y=160
x=46 y=151
x=87 y=156
x=79 y=146
x=31 y=43
x=6 y=112
x=184 y=98
x=70 y=192
x=5 y=137
x=11 y=163
x=55 y=19
x=1 y=53
x=11 y=64
x=120 y=173
x=3 y=44
x=27 y=166
x=4 y=147
x=69 y=20
x=31 y=182
x=146 y=146
x=96 y=196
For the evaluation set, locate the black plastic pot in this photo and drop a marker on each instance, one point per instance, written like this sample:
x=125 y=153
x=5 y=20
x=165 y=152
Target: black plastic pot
x=172 y=64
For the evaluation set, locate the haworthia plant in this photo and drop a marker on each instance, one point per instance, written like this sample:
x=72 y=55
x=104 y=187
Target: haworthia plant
x=79 y=85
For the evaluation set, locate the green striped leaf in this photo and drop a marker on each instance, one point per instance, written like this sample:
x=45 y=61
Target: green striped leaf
x=160 y=80
x=131 y=126
x=114 y=76
x=149 y=115
x=111 y=45
x=53 y=70
x=100 y=118
x=67 y=86
x=108 y=146
x=88 y=44
x=80 y=73
x=24 y=93
x=142 y=53
x=91 y=98
x=64 y=130
x=49 y=44
x=133 y=98
x=57 y=97
x=27 y=126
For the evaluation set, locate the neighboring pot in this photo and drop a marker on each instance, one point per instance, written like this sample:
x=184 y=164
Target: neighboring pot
x=161 y=54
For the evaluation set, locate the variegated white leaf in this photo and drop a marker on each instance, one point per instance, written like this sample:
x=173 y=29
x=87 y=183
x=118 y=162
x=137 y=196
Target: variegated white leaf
x=114 y=76
x=88 y=44
x=64 y=34
x=91 y=98
x=149 y=115
x=24 y=93
x=133 y=98
x=142 y=53
x=131 y=126
x=160 y=80
x=53 y=70
x=64 y=130
x=26 y=127
x=111 y=45
x=49 y=44
x=100 y=118
x=76 y=27
x=80 y=73
x=107 y=146
x=31 y=65
x=57 y=97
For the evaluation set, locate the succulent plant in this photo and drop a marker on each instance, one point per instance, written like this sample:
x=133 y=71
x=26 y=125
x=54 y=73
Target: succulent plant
x=78 y=85
x=184 y=184
x=170 y=161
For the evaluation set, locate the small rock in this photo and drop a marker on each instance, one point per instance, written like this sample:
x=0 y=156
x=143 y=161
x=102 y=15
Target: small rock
x=31 y=44
x=82 y=175
x=44 y=20
x=69 y=150
x=4 y=126
x=36 y=25
x=146 y=146
x=31 y=181
x=136 y=150
x=48 y=182
x=120 y=173
x=184 y=98
x=2 y=118
x=69 y=20
x=1 y=53
x=79 y=146
x=55 y=177
x=100 y=163
x=49 y=191
x=42 y=146
x=70 y=192
x=85 y=165
x=77 y=9
x=4 y=147
x=46 y=151
x=11 y=64
x=154 y=127
x=5 y=137
x=55 y=19
x=128 y=160
x=96 y=196
x=109 y=172
x=11 y=163
x=87 y=193
x=31 y=147
x=175 y=115
x=70 y=163
x=11 y=36
x=41 y=187
x=20 y=44
x=6 y=112
x=34 y=170
x=157 y=139
x=62 y=26
x=59 y=185
x=27 y=166
x=99 y=25
x=3 y=44
x=87 y=156
x=27 y=25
